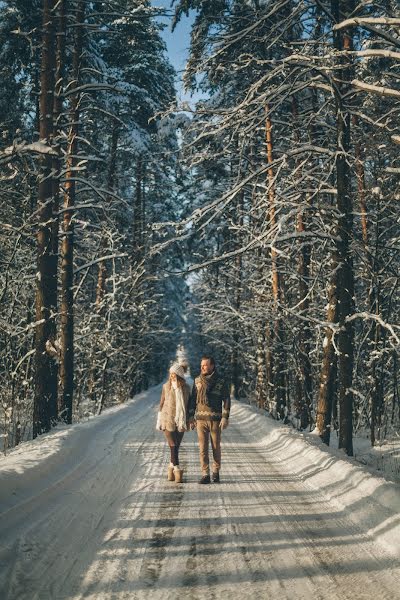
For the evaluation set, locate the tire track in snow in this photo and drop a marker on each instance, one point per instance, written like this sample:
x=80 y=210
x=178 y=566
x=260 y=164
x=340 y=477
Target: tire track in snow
x=164 y=528
x=260 y=559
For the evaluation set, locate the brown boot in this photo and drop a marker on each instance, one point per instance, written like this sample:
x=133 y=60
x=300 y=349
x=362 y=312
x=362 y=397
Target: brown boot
x=178 y=473
x=171 y=474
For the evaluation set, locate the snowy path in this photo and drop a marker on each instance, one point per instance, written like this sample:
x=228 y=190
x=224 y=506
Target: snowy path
x=97 y=519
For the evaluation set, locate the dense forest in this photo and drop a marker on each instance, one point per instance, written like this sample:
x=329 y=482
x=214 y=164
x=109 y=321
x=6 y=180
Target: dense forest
x=261 y=225
x=86 y=168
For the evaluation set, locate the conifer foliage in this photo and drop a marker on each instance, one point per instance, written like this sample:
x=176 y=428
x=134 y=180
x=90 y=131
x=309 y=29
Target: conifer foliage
x=295 y=173
x=87 y=166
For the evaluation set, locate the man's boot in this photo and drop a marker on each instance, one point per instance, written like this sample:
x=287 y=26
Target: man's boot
x=215 y=477
x=205 y=479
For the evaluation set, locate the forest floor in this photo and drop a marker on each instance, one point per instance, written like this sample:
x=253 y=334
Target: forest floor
x=86 y=512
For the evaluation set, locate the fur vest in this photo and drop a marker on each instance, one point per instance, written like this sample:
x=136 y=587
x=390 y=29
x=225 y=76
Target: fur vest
x=168 y=406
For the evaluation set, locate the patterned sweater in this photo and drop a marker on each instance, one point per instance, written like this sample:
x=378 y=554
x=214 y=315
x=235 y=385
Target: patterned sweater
x=217 y=402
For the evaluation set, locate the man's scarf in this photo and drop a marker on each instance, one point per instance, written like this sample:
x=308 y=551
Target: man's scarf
x=206 y=384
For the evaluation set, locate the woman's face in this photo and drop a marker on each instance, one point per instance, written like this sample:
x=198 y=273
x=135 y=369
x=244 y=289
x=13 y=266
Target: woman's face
x=173 y=378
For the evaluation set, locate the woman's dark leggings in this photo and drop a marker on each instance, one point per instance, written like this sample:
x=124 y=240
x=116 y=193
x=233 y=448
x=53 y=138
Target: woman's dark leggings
x=174 y=439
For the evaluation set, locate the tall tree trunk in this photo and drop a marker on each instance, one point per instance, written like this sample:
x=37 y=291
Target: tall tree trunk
x=261 y=382
x=376 y=388
x=305 y=371
x=237 y=289
x=269 y=392
x=102 y=272
x=360 y=173
x=277 y=360
x=61 y=27
x=138 y=211
x=396 y=396
x=45 y=388
x=341 y=290
x=143 y=209
x=67 y=248
x=303 y=385
x=137 y=255
x=376 y=337
x=235 y=348
x=329 y=363
x=374 y=292
x=97 y=398
x=343 y=41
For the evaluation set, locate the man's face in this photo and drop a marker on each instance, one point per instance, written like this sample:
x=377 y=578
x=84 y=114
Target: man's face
x=206 y=367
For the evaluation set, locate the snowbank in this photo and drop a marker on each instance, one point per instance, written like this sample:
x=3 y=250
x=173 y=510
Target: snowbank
x=368 y=499
x=42 y=462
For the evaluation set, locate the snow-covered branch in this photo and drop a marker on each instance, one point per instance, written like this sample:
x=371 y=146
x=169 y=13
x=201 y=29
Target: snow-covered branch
x=21 y=148
x=375 y=89
x=361 y=21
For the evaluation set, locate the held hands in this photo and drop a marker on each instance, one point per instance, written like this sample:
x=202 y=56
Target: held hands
x=158 y=424
x=223 y=424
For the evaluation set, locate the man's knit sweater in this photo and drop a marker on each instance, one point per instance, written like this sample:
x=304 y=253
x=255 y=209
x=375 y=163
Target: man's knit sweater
x=214 y=404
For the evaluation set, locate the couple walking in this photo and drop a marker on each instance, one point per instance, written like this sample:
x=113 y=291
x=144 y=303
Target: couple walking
x=205 y=408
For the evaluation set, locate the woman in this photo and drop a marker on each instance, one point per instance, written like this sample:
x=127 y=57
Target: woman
x=173 y=416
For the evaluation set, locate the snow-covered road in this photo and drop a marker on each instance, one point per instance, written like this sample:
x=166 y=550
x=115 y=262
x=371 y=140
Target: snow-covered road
x=86 y=512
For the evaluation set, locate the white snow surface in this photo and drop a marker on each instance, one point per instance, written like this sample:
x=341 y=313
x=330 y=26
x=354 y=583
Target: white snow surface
x=86 y=512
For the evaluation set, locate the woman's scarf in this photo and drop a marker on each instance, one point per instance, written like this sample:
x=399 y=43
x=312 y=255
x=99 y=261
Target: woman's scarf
x=180 y=411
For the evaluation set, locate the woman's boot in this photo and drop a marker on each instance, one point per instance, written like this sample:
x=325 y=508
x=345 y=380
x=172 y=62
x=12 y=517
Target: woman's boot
x=178 y=474
x=171 y=474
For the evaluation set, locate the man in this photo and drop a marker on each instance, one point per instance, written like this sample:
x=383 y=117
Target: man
x=209 y=407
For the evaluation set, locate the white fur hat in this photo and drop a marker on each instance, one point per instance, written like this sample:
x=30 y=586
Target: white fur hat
x=178 y=370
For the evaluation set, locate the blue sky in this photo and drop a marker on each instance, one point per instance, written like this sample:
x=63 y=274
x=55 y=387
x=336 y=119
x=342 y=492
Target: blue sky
x=178 y=43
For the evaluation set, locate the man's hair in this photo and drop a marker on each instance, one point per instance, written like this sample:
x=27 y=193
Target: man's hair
x=208 y=357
